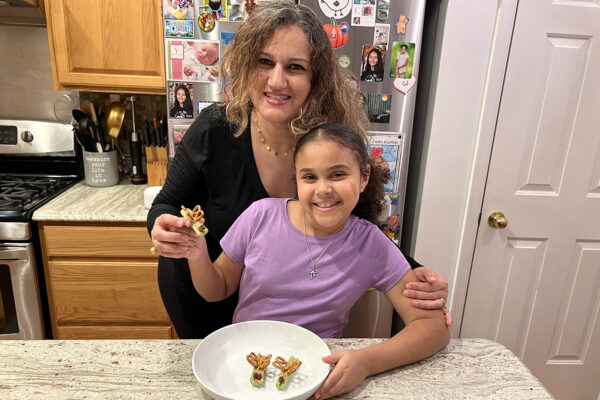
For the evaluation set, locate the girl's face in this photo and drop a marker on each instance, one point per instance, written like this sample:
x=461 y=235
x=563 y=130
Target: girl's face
x=402 y=50
x=373 y=59
x=329 y=184
x=181 y=96
x=281 y=82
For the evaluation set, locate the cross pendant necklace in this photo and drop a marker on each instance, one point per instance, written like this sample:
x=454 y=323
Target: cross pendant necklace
x=313 y=271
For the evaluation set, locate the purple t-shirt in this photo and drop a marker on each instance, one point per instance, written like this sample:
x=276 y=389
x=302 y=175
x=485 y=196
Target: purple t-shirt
x=276 y=284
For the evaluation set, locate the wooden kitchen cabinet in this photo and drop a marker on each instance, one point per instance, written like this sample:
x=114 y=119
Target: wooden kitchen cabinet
x=106 y=46
x=102 y=282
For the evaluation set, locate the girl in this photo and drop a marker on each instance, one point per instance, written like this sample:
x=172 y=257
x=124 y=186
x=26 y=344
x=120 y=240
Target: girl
x=307 y=261
x=182 y=107
x=373 y=68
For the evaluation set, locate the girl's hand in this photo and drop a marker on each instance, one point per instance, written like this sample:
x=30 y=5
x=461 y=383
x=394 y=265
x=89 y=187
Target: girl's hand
x=173 y=236
x=350 y=370
x=428 y=293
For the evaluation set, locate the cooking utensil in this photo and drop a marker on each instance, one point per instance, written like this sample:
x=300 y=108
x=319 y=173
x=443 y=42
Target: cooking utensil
x=84 y=134
x=78 y=114
x=114 y=119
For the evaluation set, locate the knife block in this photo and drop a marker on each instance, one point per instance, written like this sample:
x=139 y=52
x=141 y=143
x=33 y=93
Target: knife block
x=157 y=164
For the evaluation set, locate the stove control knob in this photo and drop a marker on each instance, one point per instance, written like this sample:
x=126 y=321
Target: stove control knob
x=27 y=136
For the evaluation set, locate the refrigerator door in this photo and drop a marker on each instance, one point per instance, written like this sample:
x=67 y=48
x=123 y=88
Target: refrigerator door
x=387 y=33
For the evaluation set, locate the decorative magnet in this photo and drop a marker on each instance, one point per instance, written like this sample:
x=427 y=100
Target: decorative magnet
x=344 y=61
x=383 y=10
x=394 y=198
x=206 y=22
x=401 y=25
x=215 y=8
x=335 y=8
x=404 y=85
x=227 y=37
x=338 y=34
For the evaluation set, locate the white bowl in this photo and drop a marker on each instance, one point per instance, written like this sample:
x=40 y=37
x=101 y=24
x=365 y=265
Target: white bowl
x=220 y=364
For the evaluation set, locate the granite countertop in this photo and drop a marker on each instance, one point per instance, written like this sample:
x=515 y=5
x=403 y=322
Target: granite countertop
x=162 y=369
x=119 y=203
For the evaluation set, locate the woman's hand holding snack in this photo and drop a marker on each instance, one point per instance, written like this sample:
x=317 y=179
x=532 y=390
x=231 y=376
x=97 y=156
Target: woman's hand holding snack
x=350 y=370
x=173 y=236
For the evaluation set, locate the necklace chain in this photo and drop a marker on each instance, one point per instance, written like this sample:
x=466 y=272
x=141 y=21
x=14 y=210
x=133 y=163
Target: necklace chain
x=264 y=141
x=313 y=271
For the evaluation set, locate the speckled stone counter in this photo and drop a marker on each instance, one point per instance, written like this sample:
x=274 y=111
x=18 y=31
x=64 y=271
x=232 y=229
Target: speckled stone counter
x=162 y=369
x=119 y=203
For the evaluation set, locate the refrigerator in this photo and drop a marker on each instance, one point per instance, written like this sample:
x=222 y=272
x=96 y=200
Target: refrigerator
x=377 y=42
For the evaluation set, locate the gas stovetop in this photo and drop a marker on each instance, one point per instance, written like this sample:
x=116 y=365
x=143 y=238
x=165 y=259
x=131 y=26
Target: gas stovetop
x=21 y=195
x=38 y=161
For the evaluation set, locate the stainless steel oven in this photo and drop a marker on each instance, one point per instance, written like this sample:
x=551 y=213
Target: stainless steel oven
x=38 y=161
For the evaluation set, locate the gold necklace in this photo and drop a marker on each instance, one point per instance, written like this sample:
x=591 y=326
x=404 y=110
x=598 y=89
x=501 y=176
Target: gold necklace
x=264 y=141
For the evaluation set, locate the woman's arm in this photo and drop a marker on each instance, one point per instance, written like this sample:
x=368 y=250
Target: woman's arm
x=425 y=333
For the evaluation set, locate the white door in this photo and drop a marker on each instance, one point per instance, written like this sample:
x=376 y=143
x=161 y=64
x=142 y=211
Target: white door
x=535 y=285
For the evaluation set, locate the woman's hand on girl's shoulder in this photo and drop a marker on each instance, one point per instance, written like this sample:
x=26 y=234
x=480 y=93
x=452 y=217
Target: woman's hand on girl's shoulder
x=349 y=371
x=428 y=293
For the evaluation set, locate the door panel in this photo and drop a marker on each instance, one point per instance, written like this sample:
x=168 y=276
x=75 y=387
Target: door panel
x=535 y=285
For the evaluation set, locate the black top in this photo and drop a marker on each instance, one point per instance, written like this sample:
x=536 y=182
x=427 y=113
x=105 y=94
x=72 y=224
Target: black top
x=212 y=168
x=371 y=76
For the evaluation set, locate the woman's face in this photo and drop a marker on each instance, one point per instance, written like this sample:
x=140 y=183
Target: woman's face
x=373 y=59
x=281 y=81
x=181 y=96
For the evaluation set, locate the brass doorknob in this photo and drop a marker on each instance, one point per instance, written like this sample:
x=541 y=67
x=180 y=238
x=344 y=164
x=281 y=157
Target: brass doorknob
x=497 y=220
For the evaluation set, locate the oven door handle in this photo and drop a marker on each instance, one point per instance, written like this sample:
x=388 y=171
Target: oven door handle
x=12 y=253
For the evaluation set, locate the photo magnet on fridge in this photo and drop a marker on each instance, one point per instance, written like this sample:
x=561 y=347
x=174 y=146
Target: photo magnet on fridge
x=235 y=10
x=178 y=9
x=373 y=61
x=363 y=13
x=192 y=60
x=335 y=8
x=175 y=28
x=403 y=55
x=386 y=151
x=378 y=106
x=381 y=34
x=181 y=100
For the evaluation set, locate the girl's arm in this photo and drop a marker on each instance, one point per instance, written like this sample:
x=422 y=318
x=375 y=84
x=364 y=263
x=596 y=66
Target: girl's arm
x=213 y=281
x=425 y=334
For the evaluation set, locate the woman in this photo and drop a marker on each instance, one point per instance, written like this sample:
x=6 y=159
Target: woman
x=182 y=107
x=284 y=81
x=373 y=69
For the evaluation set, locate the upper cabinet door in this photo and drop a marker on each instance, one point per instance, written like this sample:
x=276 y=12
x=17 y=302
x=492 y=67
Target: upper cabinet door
x=106 y=46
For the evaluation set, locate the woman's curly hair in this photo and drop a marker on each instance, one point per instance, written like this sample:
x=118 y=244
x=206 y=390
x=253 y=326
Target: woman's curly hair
x=331 y=99
x=371 y=202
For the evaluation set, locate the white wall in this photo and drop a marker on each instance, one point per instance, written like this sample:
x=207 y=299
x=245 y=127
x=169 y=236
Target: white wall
x=471 y=52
